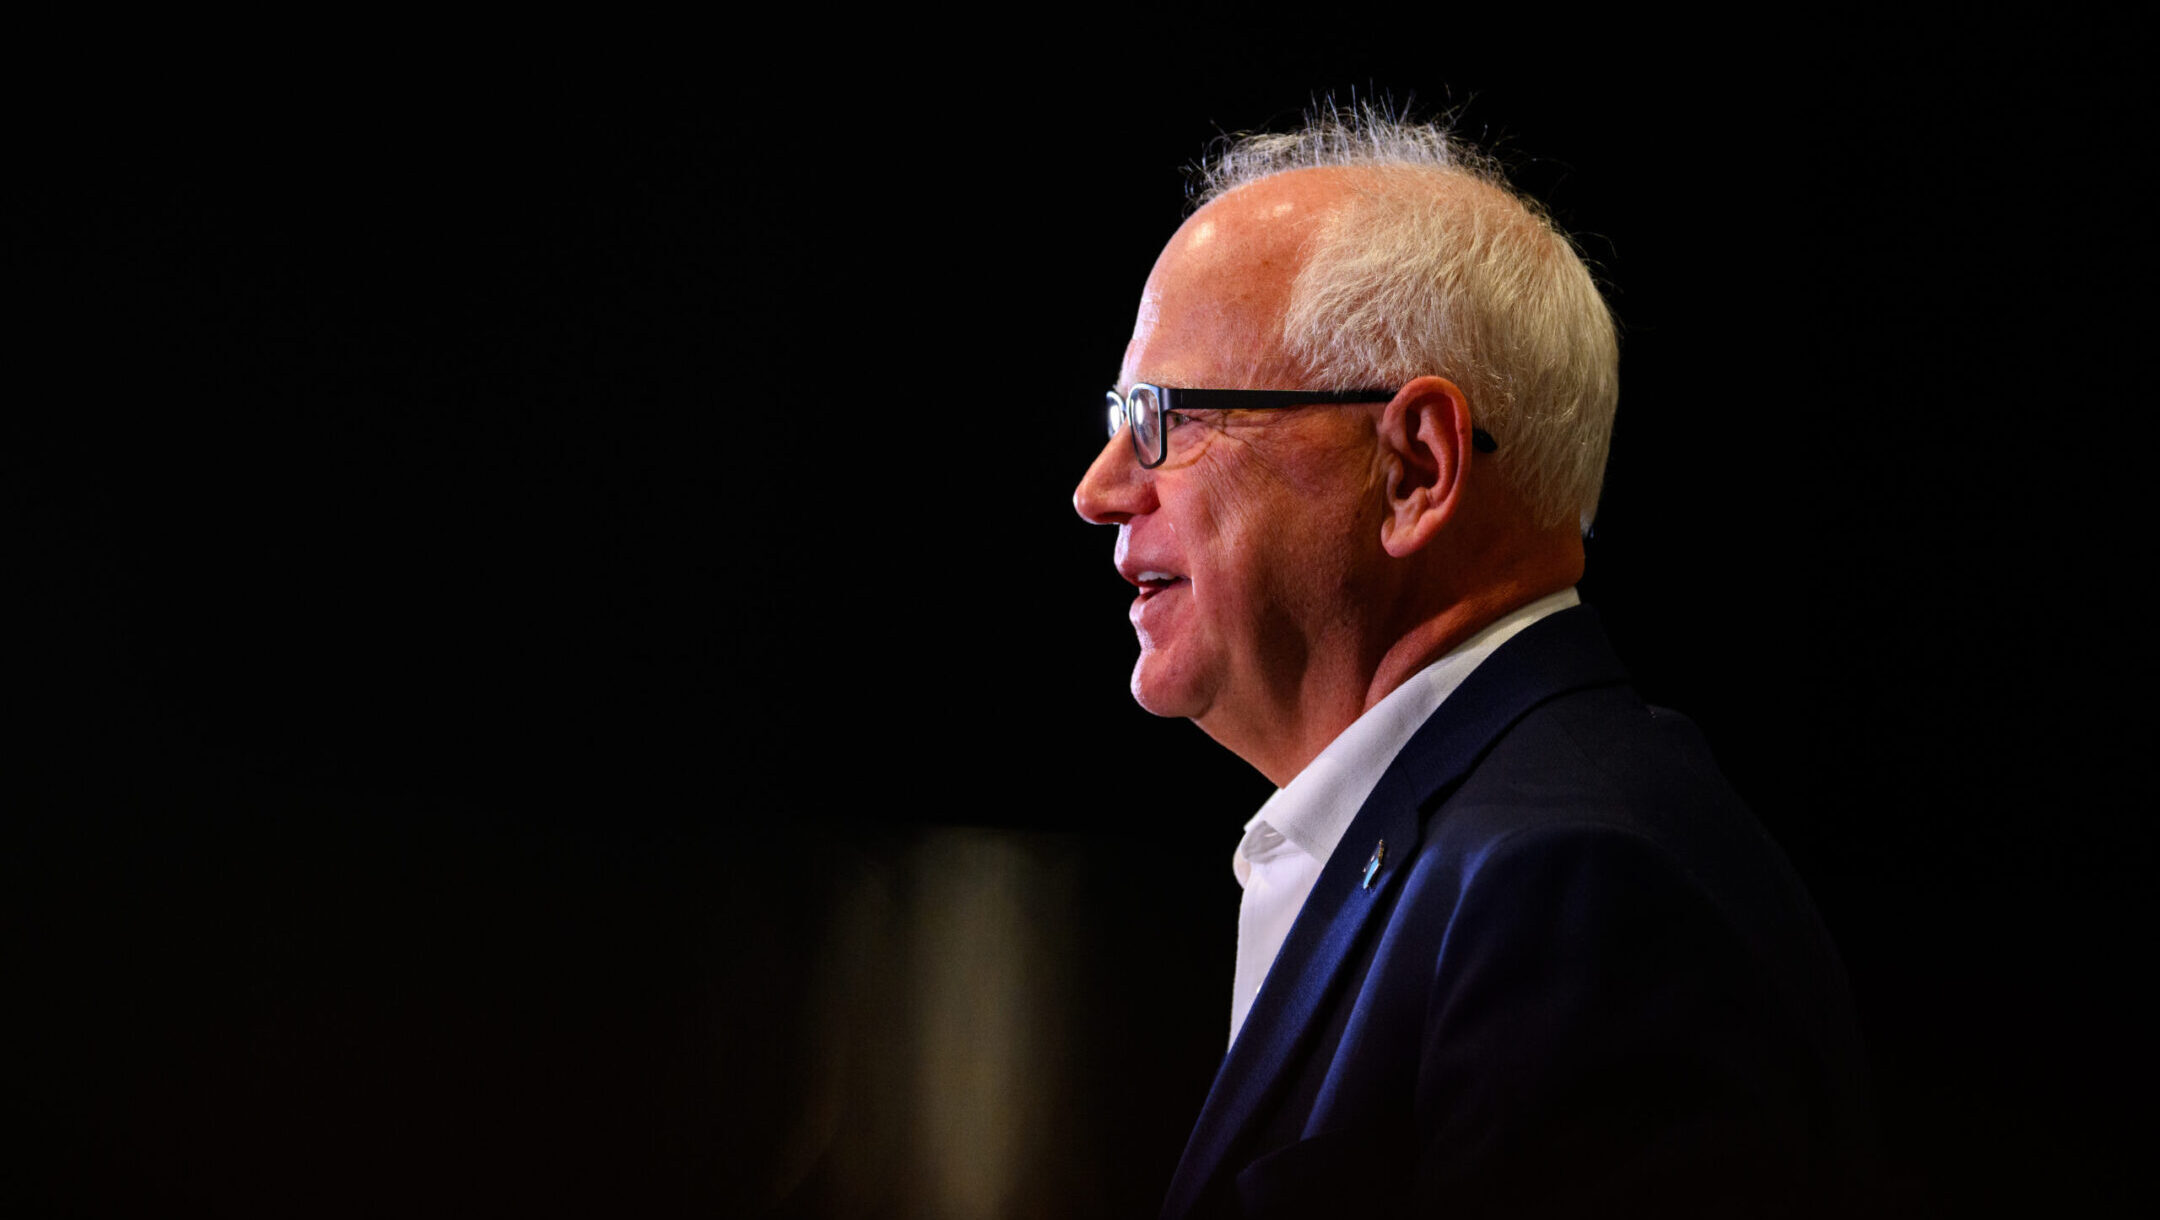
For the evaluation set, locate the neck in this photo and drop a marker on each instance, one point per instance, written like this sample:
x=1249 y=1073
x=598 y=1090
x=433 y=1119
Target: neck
x=1328 y=699
x=1448 y=631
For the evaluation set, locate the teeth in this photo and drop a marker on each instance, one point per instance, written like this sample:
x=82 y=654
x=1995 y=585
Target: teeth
x=1151 y=577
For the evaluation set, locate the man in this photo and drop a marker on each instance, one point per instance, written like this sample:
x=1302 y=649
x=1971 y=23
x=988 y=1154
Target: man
x=1508 y=943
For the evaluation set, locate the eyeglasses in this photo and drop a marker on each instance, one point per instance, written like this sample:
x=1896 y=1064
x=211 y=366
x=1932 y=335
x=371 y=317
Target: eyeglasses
x=1152 y=410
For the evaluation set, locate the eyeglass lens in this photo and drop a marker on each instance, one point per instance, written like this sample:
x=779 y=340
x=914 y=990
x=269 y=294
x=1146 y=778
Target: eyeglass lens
x=1147 y=434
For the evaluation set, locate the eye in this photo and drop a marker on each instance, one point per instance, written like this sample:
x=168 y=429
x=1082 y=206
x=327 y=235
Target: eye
x=1173 y=420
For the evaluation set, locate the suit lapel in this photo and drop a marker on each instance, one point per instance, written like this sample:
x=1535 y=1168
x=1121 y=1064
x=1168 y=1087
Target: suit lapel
x=1561 y=652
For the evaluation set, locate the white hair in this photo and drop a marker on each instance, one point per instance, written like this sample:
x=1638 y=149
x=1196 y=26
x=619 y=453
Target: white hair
x=1435 y=267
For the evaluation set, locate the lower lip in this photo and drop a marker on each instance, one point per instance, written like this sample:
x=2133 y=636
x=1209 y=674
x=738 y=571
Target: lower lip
x=1150 y=594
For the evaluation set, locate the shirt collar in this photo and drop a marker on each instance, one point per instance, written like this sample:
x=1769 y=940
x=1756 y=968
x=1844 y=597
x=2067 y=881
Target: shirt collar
x=1316 y=807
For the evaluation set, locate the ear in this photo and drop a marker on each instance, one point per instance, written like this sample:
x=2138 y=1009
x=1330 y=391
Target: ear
x=1425 y=443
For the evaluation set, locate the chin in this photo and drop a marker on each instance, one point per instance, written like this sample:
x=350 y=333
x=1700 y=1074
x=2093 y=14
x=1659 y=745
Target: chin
x=1161 y=691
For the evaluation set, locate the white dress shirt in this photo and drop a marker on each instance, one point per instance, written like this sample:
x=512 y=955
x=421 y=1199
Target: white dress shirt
x=1290 y=839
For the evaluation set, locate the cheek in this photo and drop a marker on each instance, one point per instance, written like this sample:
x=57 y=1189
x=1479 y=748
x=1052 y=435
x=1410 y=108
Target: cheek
x=1235 y=505
x=1319 y=551
x=1262 y=573
x=1274 y=542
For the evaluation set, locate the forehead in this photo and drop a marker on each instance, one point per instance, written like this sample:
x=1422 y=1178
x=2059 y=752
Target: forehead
x=1211 y=313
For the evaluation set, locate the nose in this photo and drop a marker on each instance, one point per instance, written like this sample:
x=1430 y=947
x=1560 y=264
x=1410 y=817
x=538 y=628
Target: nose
x=1115 y=490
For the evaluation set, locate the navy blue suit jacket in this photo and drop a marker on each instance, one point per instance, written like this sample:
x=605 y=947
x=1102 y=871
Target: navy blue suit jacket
x=1582 y=981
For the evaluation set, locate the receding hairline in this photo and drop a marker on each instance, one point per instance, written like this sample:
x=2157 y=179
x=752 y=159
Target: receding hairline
x=1380 y=182
x=1370 y=141
x=1424 y=259
x=1332 y=137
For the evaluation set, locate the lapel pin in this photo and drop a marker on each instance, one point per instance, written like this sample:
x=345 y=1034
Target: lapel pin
x=1372 y=866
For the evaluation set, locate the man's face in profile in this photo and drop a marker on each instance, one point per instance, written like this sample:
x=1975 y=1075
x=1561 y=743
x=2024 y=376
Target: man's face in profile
x=1241 y=544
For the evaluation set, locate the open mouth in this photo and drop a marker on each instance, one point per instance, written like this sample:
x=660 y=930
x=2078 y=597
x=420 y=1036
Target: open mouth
x=1152 y=583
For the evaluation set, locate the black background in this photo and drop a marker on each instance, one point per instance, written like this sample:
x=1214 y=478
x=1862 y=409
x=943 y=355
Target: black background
x=507 y=554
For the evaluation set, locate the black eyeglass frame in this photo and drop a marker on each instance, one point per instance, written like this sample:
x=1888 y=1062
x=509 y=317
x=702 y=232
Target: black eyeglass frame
x=1172 y=400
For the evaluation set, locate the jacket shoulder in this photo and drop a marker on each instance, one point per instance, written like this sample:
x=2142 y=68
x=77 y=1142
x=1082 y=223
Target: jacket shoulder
x=1597 y=949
